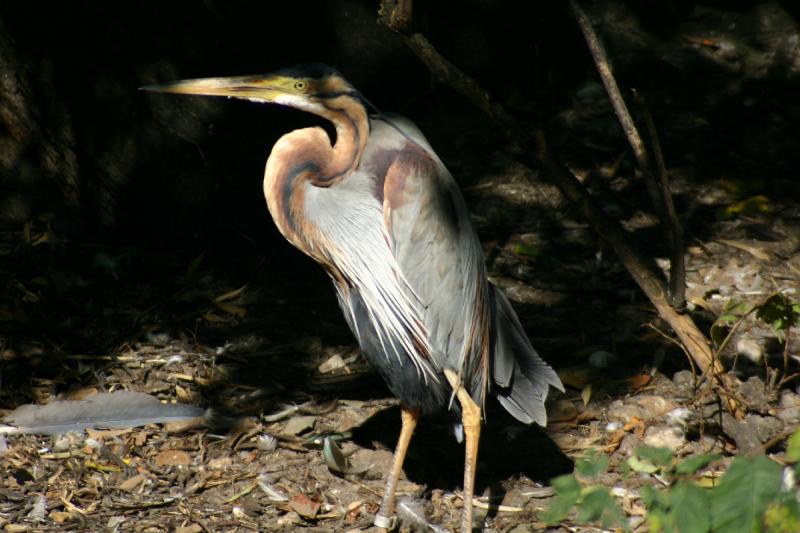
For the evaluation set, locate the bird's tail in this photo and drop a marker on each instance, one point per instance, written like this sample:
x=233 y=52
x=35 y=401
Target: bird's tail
x=520 y=378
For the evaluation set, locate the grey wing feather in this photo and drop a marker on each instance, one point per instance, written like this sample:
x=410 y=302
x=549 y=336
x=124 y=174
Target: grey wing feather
x=114 y=410
x=441 y=258
x=521 y=378
x=439 y=254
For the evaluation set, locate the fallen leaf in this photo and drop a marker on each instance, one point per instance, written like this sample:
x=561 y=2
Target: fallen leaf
x=562 y=411
x=132 y=483
x=614 y=441
x=230 y=295
x=336 y=459
x=586 y=394
x=637 y=425
x=576 y=378
x=303 y=506
x=231 y=309
x=639 y=380
x=81 y=394
x=191 y=528
x=299 y=424
x=102 y=434
x=334 y=362
x=750 y=249
x=172 y=458
x=211 y=317
x=219 y=463
x=140 y=438
x=60 y=517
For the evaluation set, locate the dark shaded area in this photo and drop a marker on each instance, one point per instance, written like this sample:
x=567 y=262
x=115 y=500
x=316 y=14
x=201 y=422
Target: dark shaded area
x=162 y=182
x=125 y=217
x=434 y=460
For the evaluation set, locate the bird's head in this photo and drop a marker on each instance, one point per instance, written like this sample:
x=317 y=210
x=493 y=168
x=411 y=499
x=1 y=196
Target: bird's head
x=307 y=87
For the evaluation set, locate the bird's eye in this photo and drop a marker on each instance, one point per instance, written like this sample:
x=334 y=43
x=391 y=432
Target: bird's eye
x=300 y=85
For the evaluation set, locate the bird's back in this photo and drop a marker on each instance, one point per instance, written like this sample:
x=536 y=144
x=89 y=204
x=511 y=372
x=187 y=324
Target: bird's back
x=468 y=324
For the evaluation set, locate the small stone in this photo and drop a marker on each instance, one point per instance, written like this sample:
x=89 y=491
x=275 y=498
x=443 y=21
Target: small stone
x=789 y=410
x=743 y=432
x=679 y=416
x=755 y=393
x=751 y=349
x=766 y=426
x=654 y=407
x=220 y=463
x=684 y=384
x=664 y=437
x=623 y=413
x=289 y=519
x=173 y=458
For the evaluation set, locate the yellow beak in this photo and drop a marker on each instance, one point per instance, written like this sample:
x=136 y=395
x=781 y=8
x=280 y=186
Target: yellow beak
x=258 y=88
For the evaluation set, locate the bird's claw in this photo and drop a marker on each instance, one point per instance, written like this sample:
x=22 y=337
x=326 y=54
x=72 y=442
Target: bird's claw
x=385 y=522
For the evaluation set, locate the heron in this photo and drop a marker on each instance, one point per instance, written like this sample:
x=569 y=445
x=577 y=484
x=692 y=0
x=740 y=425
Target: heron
x=377 y=209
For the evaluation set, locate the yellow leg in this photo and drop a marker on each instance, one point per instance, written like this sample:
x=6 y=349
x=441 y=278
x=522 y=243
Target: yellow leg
x=409 y=418
x=471 y=419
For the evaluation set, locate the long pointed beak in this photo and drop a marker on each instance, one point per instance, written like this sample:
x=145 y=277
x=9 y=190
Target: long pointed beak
x=256 y=88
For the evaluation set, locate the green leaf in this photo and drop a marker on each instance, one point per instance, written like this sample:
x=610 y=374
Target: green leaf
x=682 y=508
x=694 y=463
x=783 y=517
x=689 y=508
x=793 y=447
x=597 y=504
x=733 y=307
x=643 y=467
x=650 y=496
x=527 y=250
x=592 y=466
x=568 y=491
x=728 y=318
x=779 y=313
x=657 y=456
x=743 y=494
x=195 y=264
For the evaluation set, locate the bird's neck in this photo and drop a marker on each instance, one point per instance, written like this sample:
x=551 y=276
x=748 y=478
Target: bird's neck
x=350 y=119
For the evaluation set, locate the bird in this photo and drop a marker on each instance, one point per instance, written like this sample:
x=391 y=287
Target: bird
x=376 y=207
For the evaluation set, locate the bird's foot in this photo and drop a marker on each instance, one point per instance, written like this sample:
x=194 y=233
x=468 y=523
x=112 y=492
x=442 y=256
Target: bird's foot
x=385 y=522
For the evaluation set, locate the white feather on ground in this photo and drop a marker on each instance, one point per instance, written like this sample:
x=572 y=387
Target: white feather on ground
x=119 y=409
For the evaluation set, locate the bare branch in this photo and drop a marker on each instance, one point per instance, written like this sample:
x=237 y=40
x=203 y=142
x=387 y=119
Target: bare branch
x=532 y=148
x=659 y=192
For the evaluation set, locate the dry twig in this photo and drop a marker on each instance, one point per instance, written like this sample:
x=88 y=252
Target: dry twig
x=658 y=189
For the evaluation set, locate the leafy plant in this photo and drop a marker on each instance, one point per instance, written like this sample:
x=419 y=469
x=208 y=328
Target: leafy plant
x=780 y=313
x=594 y=503
x=754 y=495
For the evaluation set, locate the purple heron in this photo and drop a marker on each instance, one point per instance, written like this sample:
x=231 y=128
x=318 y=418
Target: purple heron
x=380 y=212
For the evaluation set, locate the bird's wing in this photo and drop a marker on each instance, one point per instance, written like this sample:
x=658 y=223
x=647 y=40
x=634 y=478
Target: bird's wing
x=345 y=230
x=436 y=249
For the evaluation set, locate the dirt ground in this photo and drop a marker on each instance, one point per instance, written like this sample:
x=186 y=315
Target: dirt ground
x=281 y=378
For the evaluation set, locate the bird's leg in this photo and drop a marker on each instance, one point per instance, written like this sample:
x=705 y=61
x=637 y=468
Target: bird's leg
x=471 y=419
x=409 y=418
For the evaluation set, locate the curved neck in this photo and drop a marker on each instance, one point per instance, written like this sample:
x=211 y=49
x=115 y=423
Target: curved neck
x=350 y=119
x=306 y=156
